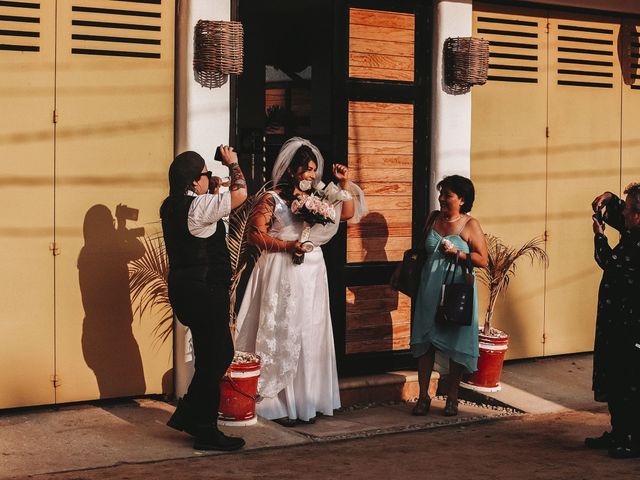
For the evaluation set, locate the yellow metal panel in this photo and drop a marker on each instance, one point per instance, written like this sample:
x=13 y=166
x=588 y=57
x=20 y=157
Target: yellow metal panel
x=114 y=142
x=26 y=198
x=583 y=160
x=630 y=59
x=508 y=159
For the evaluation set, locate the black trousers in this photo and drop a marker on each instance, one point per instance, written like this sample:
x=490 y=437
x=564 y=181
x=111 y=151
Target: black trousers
x=625 y=416
x=204 y=308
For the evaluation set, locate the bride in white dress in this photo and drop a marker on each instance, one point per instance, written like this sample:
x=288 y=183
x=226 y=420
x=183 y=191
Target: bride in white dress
x=284 y=316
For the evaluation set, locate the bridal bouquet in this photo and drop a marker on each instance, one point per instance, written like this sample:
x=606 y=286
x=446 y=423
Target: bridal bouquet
x=316 y=205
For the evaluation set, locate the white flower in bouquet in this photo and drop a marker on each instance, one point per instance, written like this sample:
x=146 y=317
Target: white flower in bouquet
x=304 y=185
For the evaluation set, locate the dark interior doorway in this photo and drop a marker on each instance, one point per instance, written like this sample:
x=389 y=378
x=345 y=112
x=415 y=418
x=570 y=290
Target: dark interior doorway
x=285 y=90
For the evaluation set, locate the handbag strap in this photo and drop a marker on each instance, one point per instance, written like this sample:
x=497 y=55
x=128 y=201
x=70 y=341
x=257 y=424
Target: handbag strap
x=431 y=218
x=453 y=265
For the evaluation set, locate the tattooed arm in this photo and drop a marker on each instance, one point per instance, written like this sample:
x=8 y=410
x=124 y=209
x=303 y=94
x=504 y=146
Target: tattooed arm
x=238 y=186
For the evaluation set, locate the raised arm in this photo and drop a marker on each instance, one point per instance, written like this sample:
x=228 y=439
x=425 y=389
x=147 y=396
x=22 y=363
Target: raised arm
x=238 y=185
x=348 y=206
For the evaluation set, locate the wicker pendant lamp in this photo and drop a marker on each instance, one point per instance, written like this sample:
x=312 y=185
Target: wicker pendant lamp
x=466 y=63
x=217 y=52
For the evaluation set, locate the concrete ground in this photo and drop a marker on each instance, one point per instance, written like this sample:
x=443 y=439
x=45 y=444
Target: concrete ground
x=100 y=440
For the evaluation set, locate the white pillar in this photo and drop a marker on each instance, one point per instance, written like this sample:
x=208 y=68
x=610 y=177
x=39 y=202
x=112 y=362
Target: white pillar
x=451 y=114
x=201 y=124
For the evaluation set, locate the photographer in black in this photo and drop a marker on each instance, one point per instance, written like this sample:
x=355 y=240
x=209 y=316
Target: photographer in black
x=616 y=360
x=199 y=278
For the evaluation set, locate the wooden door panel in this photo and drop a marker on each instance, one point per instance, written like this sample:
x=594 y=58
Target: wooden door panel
x=381 y=45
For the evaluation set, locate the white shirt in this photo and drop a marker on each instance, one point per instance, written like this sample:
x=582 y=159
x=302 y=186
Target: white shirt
x=205 y=212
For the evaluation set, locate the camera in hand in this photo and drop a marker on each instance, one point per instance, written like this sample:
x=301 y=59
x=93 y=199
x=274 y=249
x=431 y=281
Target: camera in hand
x=127 y=213
x=598 y=217
x=218 y=155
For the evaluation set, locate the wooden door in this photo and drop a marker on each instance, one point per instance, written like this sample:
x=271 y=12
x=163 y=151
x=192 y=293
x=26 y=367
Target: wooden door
x=382 y=133
x=27 y=69
x=114 y=143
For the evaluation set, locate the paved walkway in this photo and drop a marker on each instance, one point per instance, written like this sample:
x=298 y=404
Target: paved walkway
x=87 y=436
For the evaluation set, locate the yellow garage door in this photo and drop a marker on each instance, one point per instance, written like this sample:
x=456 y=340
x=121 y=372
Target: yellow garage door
x=27 y=71
x=508 y=159
x=114 y=141
x=86 y=126
x=553 y=127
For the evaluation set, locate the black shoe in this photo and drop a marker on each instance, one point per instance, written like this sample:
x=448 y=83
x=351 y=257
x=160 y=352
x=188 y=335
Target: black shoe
x=602 y=442
x=311 y=421
x=210 y=438
x=624 y=447
x=286 y=422
x=182 y=418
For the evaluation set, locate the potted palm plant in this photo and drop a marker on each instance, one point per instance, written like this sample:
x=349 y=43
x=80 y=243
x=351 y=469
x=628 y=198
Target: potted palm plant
x=496 y=276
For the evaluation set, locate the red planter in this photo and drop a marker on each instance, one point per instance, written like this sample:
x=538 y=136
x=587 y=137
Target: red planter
x=238 y=390
x=487 y=377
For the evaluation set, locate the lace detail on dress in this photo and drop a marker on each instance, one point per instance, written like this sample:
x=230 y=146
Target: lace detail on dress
x=278 y=341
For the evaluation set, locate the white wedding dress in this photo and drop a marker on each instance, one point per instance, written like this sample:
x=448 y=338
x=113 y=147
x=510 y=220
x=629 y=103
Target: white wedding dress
x=285 y=318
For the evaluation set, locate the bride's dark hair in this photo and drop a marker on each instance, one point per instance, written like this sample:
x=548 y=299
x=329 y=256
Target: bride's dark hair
x=288 y=182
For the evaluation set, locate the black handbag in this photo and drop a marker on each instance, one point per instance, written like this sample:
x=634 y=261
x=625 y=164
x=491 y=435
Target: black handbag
x=456 y=299
x=406 y=278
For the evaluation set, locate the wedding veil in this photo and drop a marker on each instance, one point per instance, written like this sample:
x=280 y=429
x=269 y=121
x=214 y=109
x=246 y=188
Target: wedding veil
x=283 y=161
x=287 y=152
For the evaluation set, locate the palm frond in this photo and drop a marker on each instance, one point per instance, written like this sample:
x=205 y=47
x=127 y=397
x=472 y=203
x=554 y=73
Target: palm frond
x=501 y=267
x=241 y=253
x=149 y=288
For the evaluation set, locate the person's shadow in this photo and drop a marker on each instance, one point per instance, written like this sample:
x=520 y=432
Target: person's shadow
x=108 y=344
x=372 y=328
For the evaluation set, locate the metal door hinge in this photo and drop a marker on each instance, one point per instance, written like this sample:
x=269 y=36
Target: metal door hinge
x=546 y=132
x=547 y=27
x=55 y=379
x=544 y=338
x=54 y=249
x=546 y=236
x=55 y=116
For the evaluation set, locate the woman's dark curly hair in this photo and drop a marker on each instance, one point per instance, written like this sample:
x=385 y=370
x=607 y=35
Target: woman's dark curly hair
x=288 y=182
x=461 y=186
x=633 y=191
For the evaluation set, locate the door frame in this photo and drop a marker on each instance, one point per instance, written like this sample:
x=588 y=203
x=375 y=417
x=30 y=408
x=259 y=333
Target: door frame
x=342 y=275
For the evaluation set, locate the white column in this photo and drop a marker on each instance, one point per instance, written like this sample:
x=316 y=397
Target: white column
x=451 y=114
x=201 y=124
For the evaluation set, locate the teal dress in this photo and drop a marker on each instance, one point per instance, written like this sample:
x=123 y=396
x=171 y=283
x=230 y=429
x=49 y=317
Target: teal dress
x=459 y=343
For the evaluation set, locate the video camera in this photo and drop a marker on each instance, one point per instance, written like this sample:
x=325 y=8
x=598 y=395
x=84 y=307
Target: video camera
x=124 y=213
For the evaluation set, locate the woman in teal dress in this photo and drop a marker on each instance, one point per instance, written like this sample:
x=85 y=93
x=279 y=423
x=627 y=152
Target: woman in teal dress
x=451 y=233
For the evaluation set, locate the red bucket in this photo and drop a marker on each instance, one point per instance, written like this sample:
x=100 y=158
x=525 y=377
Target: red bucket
x=238 y=390
x=492 y=352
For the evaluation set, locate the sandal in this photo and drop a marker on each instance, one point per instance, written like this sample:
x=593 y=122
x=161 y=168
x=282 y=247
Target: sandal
x=421 y=408
x=451 y=408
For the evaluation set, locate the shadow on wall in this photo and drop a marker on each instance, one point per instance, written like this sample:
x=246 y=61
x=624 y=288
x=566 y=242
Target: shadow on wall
x=108 y=344
x=370 y=324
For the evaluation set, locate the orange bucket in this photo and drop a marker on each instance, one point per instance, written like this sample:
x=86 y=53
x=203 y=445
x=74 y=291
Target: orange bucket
x=238 y=391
